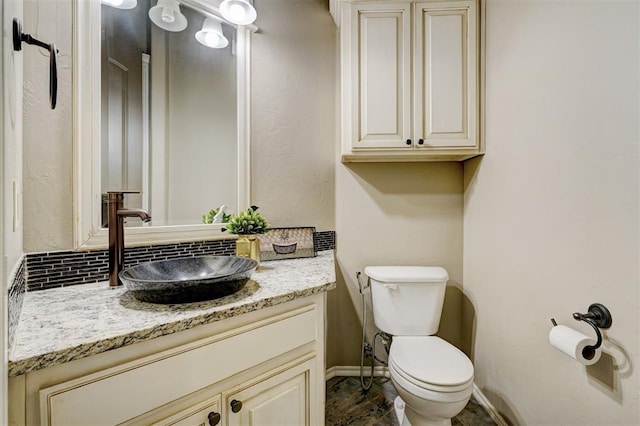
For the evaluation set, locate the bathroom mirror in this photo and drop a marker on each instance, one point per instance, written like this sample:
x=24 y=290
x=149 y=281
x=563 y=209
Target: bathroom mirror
x=158 y=112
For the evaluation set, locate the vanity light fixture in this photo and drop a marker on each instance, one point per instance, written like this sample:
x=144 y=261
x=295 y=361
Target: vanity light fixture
x=211 y=34
x=121 y=4
x=239 y=12
x=166 y=14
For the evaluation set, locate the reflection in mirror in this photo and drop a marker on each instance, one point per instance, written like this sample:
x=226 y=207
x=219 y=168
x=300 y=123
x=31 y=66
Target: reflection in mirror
x=174 y=123
x=168 y=116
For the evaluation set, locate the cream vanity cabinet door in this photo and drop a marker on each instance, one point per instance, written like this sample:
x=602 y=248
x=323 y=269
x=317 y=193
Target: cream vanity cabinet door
x=410 y=81
x=206 y=413
x=285 y=399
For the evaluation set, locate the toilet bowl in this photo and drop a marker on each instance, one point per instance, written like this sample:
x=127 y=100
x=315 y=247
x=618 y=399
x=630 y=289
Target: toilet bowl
x=433 y=378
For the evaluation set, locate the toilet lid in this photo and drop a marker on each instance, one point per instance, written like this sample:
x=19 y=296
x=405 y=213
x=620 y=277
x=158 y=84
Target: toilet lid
x=431 y=361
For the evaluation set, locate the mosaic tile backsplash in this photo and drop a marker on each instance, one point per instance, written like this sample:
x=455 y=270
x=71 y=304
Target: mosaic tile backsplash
x=324 y=240
x=16 y=294
x=64 y=268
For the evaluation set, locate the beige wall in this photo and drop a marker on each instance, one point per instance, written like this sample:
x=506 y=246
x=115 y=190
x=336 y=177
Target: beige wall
x=48 y=146
x=394 y=214
x=551 y=220
x=293 y=90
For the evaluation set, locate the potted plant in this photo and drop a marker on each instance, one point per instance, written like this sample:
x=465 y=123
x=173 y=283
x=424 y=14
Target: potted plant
x=247 y=225
x=214 y=216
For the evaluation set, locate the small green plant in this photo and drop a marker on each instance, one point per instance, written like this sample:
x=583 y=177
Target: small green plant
x=249 y=221
x=208 y=218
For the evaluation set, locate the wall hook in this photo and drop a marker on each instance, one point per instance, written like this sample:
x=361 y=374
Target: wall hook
x=598 y=316
x=19 y=37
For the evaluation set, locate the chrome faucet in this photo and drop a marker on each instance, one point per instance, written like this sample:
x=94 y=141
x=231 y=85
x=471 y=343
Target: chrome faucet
x=117 y=213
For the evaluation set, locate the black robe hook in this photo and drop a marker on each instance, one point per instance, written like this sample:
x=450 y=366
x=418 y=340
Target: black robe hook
x=19 y=37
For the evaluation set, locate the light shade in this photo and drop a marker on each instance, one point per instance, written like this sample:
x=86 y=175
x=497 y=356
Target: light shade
x=121 y=4
x=211 y=34
x=166 y=14
x=239 y=12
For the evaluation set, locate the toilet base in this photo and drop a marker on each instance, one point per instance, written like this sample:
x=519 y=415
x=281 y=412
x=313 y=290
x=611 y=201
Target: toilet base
x=399 y=407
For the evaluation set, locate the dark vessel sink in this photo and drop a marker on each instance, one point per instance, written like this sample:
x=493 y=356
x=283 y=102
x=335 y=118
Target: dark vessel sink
x=188 y=279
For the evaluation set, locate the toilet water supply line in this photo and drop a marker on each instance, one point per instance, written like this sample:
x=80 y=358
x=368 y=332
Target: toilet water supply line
x=367 y=349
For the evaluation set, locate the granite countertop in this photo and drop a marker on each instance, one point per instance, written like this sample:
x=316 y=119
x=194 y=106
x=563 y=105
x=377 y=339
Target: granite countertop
x=63 y=324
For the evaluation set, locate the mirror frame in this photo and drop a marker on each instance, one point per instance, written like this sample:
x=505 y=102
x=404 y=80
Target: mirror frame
x=87 y=208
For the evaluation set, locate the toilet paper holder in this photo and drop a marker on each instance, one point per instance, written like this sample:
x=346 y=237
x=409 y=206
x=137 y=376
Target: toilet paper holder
x=597 y=316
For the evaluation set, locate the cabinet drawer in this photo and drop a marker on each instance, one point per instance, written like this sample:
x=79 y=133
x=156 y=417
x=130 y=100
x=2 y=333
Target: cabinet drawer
x=120 y=393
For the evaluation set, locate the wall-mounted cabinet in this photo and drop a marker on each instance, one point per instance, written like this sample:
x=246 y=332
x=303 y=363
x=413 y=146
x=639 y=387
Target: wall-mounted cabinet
x=411 y=80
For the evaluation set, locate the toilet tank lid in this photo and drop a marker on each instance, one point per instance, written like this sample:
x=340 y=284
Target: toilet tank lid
x=407 y=274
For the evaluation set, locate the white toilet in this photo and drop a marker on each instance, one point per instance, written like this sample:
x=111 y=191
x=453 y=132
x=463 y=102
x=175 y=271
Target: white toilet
x=433 y=378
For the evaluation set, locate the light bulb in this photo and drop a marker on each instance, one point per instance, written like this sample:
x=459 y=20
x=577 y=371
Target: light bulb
x=211 y=34
x=211 y=39
x=168 y=15
x=239 y=12
x=121 y=4
x=236 y=12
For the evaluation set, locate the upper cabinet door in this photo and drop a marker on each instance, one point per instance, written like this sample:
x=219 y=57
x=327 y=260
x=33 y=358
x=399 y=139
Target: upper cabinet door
x=446 y=74
x=380 y=76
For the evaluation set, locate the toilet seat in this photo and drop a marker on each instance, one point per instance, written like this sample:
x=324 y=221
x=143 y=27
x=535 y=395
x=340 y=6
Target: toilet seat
x=424 y=394
x=431 y=364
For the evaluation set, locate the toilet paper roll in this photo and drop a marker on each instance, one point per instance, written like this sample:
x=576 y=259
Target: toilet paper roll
x=573 y=343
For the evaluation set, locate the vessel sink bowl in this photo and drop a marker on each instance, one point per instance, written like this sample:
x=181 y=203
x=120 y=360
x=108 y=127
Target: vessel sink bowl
x=189 y=279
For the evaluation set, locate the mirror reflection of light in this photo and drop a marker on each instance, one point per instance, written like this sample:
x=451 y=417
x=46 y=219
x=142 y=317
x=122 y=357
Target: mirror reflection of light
x=121 y=4
x=212 y=39
x=167 y=15
x=236 y=12
x=240 y=12
x=211 y=34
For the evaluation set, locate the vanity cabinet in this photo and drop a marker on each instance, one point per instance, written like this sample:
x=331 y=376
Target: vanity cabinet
x=279 y=397
x=410 y=80
x=263 y=367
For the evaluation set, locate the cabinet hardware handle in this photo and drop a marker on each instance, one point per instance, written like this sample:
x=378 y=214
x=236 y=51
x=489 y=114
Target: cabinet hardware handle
x=214 y=418
x=236 y=405
x=408 y=141
x=420 y=141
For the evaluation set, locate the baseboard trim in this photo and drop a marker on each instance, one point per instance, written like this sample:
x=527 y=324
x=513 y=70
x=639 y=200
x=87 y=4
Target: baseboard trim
x=354 y=371
x=379 y=371
x=488 y=406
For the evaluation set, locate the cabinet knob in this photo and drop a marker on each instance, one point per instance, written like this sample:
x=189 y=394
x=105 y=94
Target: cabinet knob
x=236 y=405
x=409 y=142
x=420 y=141
x=214 y=418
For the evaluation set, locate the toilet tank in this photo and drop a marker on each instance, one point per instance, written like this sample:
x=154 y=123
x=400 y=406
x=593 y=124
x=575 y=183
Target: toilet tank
x=407 y=300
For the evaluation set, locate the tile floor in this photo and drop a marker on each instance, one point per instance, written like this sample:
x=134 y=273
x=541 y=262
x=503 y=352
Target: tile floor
x=347 y=404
